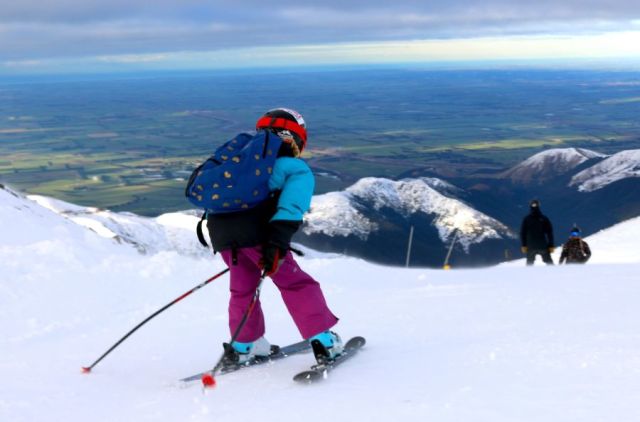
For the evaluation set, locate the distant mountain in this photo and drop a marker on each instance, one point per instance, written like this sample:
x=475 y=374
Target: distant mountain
x=575 y=185
x=623 y=165
x=549 y=164
x=372 y=219
x=337 y=213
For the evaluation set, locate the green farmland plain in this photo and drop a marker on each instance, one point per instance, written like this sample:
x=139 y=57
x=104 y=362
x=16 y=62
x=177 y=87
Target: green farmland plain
x=129 y=143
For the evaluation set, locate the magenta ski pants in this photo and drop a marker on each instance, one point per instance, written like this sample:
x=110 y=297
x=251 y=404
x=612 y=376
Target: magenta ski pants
x=301 y=294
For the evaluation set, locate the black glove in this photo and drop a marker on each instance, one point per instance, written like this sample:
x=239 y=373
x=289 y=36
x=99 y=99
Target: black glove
x=276 y=248
x=272 y=258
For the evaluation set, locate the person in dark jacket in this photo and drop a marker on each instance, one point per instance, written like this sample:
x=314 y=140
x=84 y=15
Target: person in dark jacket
x=257 y=241
x=575 y=250
x=536 y=235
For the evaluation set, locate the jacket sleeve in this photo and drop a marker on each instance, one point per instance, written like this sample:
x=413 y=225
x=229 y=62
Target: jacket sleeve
x=294 y=179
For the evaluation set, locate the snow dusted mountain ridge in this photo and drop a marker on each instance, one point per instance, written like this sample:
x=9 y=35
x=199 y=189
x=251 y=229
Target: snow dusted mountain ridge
x=550 y=163
x=619 y=166
x=343 y=213
x=554 y=162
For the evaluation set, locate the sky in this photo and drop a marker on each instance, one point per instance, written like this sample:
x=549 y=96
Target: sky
x=46 y=35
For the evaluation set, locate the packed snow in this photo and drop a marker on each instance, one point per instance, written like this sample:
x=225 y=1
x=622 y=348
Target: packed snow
x=507 y=343
x=617 y=244
x=619 y=166
x=409 y=196
x=172 y=231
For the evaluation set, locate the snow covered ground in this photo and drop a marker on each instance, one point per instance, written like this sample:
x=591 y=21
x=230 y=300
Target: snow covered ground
x=507 y=343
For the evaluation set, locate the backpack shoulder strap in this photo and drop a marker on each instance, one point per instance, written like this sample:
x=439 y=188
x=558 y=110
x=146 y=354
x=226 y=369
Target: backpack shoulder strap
x=203 y=242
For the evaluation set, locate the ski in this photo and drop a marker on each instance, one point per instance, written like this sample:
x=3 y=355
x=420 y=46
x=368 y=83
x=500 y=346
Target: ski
x=319 y=371
x=277 y=354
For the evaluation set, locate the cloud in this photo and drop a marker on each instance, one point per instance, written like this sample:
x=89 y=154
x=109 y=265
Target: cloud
x=36 y=29
x=22 y=63
x=524 y=49
x=134 y=58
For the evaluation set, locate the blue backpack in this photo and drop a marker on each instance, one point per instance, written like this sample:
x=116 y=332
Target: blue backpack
x=236 y=177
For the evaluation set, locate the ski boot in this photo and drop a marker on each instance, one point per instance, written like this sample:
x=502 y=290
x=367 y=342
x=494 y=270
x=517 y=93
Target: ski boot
x=326 y=346
x=238 y=353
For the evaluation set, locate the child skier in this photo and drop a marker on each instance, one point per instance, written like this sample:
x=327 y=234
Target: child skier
x=575 y=250
x=256 y=241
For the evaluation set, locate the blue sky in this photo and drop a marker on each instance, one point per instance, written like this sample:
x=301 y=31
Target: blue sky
x=105 y=35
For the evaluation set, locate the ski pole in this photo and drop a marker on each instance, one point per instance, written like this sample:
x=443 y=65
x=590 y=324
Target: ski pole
x=208 y=379
x=446 y=265
x=87 y=369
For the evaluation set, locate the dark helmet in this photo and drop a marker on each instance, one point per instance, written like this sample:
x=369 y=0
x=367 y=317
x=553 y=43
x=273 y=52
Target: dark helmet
x=534 y=204
x=575 y=231
x=285 y=119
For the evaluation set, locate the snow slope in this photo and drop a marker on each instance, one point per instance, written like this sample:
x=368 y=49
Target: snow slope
x=171 y=231
x=617 y=244
x=338 y=214
x=619 y=166
x=501 y=344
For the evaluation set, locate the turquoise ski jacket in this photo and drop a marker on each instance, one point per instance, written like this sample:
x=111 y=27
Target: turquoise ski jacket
x=294 y=178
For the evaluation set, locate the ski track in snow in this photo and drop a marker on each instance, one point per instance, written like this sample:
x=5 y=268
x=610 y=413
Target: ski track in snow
x=506 y=343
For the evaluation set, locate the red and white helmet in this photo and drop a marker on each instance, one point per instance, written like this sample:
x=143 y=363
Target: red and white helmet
x=285 y=119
